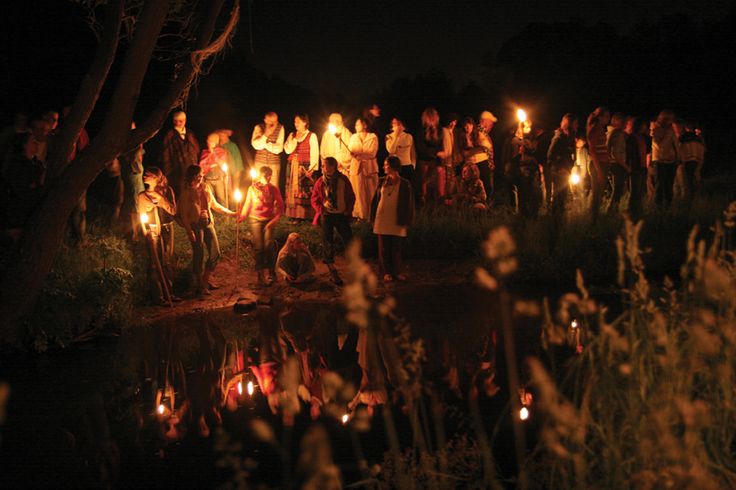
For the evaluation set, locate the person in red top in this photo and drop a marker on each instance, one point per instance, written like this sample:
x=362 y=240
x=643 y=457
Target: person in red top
x=212 y=159
x=264 y=207
x=333 y=200
x=599 y=155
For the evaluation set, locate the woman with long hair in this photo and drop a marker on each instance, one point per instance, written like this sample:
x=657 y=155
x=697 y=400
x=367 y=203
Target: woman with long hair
x=475 y=147
x=429 y=147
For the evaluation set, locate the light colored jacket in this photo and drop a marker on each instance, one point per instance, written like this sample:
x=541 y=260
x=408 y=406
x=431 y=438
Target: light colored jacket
x=402 y=146
x=364 y=151
x=616 y=143
x=665 y=147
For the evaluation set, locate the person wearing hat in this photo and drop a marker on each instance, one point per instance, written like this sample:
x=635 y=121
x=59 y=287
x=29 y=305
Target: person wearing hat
x=489 y=177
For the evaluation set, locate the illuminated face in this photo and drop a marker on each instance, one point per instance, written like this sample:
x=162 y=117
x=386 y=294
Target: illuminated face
x=386 y=167
x=213 y=140
x=396 y=125
x=336 y=120
x=266 y=177
x=375 y=111
x=468 y=127
x=359 y=127
x=486 y=124
x=327 y=169
x=300 y=124
x=150 y=181
x=271 y=120
x=180 y=120
x=196 y=181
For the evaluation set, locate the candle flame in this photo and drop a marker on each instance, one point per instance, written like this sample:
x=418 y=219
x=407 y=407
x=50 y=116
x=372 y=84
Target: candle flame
x=250 y=388
x=253 y=173
x=240 y=387
x=524 y=413
x=574 y=324
x=161 y=409
x=345 y=419
x=237 y=195
x=521 y=115
x=575 y=179
x=224 y=167
x=144 y=218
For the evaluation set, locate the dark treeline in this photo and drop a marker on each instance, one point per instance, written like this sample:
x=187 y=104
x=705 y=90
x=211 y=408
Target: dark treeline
x=548 y=68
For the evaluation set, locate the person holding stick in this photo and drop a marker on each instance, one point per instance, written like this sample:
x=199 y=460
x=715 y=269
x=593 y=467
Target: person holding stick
x=157 y=194
x=263 y=207
x=195 y=210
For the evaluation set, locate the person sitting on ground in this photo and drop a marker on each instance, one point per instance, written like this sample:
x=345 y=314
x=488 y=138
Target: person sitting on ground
x=294 y=263
x=263 y=207
x=333 y=200
x=471 y=192
x=195 y=210
x=392 y=212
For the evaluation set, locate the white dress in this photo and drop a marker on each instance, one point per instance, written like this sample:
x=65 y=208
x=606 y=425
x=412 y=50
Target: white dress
x=363 y=172
x=387 y=213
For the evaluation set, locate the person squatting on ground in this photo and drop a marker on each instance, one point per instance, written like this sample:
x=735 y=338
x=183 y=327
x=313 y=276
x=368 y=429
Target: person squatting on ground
x=392 y=212
x=263 y=208
x=333 y=200
x=294 y=262
x=195 y=210
x=157 y=195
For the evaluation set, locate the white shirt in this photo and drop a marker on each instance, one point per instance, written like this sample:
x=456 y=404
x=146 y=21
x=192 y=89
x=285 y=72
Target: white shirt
x=402 y=147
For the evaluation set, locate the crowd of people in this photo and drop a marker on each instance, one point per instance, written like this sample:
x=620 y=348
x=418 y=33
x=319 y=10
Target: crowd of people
x=379 y=173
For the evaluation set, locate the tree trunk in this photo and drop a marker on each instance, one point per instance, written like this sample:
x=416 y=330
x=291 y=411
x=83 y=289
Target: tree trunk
x=35 y=253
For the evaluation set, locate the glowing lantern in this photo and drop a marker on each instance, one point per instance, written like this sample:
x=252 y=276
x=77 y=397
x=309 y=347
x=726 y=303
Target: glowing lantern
x=250 y=388
x=524 y=413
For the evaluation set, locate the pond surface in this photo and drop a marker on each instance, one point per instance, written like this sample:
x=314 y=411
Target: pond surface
x=88 y=417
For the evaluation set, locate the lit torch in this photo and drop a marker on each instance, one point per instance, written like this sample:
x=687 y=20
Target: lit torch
x=333 y=129
x=238 y=196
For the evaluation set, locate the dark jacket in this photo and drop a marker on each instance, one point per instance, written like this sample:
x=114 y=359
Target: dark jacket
x=178 y=154
x=561 y=153
x=405 y=213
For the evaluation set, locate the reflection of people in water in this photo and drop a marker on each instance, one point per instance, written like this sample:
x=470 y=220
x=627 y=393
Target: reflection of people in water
x=294 y=263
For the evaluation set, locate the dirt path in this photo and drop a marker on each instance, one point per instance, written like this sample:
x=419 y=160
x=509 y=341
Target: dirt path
x=242 y=285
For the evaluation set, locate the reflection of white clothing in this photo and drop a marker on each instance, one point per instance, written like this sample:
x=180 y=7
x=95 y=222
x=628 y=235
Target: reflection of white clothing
x=387 y=213
x=332 y=147
x=363 y=172
x=402 y=147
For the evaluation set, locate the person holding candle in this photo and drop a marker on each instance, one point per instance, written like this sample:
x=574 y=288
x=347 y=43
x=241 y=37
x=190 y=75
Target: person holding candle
x=268 y=141
x=303 y=150
x=363 y=168
x=214 y=167
x=560 y=160
x=195 y=210
x=335 y=143
x=333 y=200
x=234 y=157
x=263 y=208
x=392 y=212
x=157 y=195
